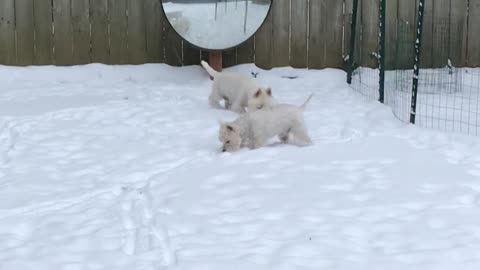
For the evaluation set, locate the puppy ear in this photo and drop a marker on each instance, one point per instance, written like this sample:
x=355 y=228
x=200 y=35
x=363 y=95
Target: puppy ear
x=269 y=91
x=259 y=91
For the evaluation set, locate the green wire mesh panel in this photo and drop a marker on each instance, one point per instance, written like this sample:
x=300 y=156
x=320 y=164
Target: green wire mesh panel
x=365 y=74
x=399 y=80
x=448 y=96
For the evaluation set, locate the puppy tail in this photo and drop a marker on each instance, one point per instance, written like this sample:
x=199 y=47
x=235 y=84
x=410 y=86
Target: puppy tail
x=304 y=105
x=209 y=69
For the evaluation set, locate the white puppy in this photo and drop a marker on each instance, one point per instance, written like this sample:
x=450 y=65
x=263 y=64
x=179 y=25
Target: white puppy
x=238 y=91
x=255 y=128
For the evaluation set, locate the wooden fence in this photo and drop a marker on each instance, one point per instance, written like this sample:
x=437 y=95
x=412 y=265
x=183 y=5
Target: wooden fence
x=298 y=33
x=450 y=30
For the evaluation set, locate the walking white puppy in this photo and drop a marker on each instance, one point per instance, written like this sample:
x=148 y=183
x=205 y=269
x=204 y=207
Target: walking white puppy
x=255 y=128
x=238 y=91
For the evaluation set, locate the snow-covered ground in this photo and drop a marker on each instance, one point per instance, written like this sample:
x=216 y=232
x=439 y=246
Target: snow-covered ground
x=119 y=168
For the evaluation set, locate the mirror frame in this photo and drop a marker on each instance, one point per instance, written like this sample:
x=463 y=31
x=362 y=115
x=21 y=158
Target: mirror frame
x=213 y=50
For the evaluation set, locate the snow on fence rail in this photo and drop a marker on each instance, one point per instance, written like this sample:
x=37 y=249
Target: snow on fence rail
x=299 y=33
x=69 y=32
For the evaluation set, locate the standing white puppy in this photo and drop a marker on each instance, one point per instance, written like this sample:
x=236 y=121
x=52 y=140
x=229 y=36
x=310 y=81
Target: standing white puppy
x=238 y=91
x=255 y=128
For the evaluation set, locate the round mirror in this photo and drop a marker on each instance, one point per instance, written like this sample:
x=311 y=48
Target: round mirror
x=216 y=24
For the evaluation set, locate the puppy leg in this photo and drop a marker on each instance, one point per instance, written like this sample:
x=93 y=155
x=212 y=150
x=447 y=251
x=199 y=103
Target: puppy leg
x=237 y=107
x=257 y=142
x=300 y=134
x=214 y=100
x=228 y=104
x=284 y=136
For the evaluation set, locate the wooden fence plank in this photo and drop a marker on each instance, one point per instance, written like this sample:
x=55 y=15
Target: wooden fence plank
x=473 y=36
x=43 y=32
x=229 y=58
x=458 y=32
x=117 y=10
x=173 y=47
x=7 y=32
x=81 y=31
x=426 y=59
x=137 y=47
x=100 y=36
x=370 y=30
x=263 y=44
x=391 y=33
x=316 y=52
x=357 y=59
x=154 y=27
x=246 y=52
x=204 y=55
x=25 y=32
x=191 y=55
x=333 y=32
x=347 y=21
x=63 y=36
x=281 y=32
x=405 y=45
x=441 y=13
x=299 y=21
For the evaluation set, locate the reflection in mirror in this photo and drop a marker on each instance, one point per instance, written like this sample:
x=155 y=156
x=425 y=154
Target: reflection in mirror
x=216 y=24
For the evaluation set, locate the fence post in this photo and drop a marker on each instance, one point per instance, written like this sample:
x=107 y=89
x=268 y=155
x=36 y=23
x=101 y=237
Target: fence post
x=416 y=65
x=353 y=26
x=381 y=57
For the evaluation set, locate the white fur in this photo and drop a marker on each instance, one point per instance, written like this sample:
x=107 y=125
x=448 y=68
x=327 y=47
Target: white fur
x=255 y=128
x=238 y=91
x=180 y=23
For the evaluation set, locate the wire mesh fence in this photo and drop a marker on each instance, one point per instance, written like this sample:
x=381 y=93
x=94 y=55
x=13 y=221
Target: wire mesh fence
x=365 y=72
x=365 y=82
x=399 y=80
x=448 y=100
x=448 y=95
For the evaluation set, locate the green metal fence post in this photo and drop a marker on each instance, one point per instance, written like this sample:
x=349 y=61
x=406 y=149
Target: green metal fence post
x=381 y=57
x=416 y=65
x=352 y=42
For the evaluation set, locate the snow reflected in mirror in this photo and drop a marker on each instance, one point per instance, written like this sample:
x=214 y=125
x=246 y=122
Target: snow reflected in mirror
x=216 y=24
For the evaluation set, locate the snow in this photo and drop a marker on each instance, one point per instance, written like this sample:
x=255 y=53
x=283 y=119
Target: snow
x=118 y=167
